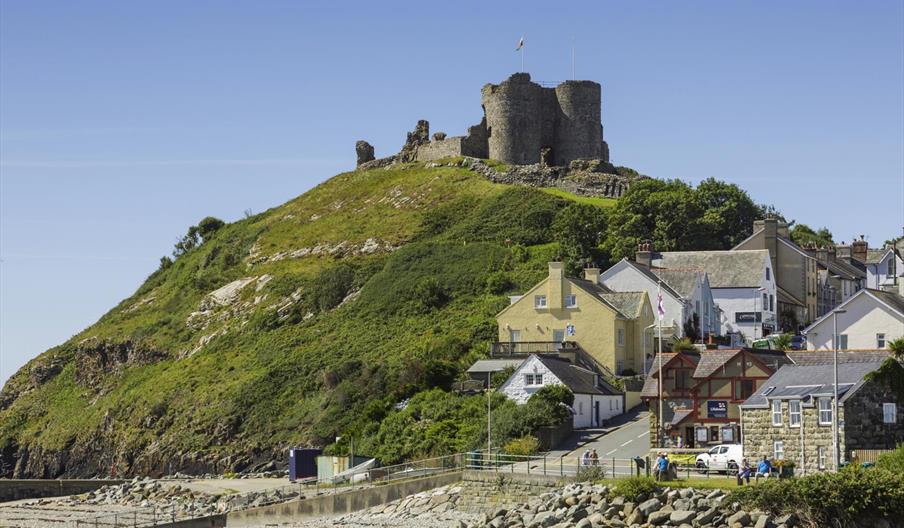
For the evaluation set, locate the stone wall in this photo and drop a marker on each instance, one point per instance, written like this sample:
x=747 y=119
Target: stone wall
x=483 y=490
x=863 y=428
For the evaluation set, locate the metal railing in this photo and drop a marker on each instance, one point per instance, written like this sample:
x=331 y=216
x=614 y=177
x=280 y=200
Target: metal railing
x=524 y=348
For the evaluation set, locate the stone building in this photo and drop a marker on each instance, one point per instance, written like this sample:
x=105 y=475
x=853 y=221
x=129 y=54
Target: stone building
x=790 y=416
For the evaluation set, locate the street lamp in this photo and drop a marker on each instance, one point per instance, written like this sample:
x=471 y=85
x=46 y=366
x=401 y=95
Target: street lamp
x=835 y=446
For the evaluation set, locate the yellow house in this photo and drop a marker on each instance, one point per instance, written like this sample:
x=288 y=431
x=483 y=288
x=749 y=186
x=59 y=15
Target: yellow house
x=609 y=326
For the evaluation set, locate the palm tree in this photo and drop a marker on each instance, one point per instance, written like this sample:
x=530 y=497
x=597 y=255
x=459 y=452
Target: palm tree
x=897 y=348
x=782 y=342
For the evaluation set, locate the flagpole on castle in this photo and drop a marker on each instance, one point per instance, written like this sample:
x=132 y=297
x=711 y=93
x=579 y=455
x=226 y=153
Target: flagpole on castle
x=520 y=49
x=660 y=312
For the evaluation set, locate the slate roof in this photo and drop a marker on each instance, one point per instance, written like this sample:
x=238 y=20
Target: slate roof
x=682 y=281
x=681 y=415
x=874 y=256
x=579 y=380
x=808 y=381
x=654 y=276
x=890 y=298
x=627 y=303
x=820 y=357
x=844 y=269
x=726 y=269
x=494 y=365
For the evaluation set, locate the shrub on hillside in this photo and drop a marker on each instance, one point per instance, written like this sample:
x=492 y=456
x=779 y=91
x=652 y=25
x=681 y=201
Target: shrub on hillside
x=525 y=446
x=331 y=286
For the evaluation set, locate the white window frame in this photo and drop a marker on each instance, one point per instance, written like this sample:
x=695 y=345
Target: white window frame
x=778 y=450
x=778 y=418
x=889 y=413
x=829 y=410
x=533 y=380
x=571 y=301
x=821 y=457
x=620 y=336
x=880 y=341
x=540 y=301
x=794 y=416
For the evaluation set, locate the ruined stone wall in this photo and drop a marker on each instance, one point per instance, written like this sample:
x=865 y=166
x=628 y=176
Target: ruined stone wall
x=513 y=111
x=473 y=145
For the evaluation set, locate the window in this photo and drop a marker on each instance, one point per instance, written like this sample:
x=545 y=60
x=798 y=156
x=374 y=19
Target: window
x=880 y=340
x=778 y=450
x=825 y=411
x=621 y=337
x=514 y=336
x=571 y=301
x=697 y=307
x=744 y=389
x=682 y=379
x=580 y=407
x=891 y=267
x=842 y=342
x=777 y=419
x=533 y=379
x=794 y=413
x=771 y=302
x=765 y=302
x=889 y=413
x=540 y=301
x=767 y=274
x=821 y=457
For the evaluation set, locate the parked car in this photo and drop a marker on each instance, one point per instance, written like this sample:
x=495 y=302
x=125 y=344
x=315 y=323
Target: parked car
x=723 y=457
x=798 y=342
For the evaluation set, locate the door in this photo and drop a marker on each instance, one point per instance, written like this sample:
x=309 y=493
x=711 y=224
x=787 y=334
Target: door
x=514 y=338
x=557 y=337
x=596 y=413
x=689 y=437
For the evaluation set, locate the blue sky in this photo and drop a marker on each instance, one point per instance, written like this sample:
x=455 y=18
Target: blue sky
x=121 y=123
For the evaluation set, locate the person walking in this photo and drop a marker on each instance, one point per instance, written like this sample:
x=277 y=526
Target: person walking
x=594 y=457
x=662 y=467
x=585 y=458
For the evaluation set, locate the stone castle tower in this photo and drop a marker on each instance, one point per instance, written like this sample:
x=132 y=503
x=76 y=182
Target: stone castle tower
x=523 y=124
x=527 y=123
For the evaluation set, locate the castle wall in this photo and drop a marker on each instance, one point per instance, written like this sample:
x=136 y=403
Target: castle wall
x=446 y=148
x=578 y=131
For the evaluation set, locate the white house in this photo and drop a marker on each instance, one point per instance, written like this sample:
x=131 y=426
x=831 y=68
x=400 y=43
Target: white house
x=883 y=267
x=684 y=293
x=594 y=400
x=742 y=283
x=867 y=321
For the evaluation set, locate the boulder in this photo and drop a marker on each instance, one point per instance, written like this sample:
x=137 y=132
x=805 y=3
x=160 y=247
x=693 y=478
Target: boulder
x=740 y=517
x=647 y=507
x=682 y=516
x=658 y=517
x=365 y=151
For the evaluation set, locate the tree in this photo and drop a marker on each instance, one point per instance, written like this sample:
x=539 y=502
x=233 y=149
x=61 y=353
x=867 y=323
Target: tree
x=782 y=342
x=578 y=228
x=208 y=226
x=803 y=235
x=197 y=235
x=729 y=215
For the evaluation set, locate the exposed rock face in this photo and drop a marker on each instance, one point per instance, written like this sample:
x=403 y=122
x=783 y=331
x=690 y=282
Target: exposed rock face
x=98 y=361
x=439 y=136
x=365 y=152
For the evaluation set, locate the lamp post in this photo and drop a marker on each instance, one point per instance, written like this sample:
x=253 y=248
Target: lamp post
x=489 y=410
x=835 y=446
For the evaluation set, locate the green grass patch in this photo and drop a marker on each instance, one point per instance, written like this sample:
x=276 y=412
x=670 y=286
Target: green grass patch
x=589 y=200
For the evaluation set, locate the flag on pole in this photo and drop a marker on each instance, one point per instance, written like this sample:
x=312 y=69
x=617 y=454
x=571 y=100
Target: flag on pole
x=659 y=306
x=520 y=44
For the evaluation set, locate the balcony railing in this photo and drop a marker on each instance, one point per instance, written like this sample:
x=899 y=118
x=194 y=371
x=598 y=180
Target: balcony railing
x=524 y=348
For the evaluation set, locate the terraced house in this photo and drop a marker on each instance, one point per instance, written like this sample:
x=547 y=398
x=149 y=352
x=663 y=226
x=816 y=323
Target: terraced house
x=566 y=314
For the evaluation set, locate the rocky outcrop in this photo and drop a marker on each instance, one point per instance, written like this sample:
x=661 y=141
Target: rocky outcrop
x=97 y=361
x=417 y=137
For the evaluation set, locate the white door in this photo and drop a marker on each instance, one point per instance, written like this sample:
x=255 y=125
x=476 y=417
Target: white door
x=514 y=336
x=557 y=337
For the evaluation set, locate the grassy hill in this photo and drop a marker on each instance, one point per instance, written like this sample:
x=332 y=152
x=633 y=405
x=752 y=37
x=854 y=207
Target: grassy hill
x=285 y=328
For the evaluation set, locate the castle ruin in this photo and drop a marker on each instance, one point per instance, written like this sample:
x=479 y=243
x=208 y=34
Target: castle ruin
x=546 y=136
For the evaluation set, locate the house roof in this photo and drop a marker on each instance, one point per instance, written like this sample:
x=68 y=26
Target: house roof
x=819 y=357
x=726 y=269
x=807 y=381
x=682 y=281
x=654 y=277
x=890 y=299
x=875 y=256
x=787 y=298
x=844 y=269
x=494 y=365
x=579 y=380
x=627 y=303
x=651 y=382
x=681 y=415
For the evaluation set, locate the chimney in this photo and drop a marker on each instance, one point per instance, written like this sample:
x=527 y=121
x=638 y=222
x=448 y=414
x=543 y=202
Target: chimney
x=554 y=285
x=822 y=255
x=770 y=238
x=843 y=251
x=859 y=249
x=782 y=230
x=644 y=255
x=592 y=275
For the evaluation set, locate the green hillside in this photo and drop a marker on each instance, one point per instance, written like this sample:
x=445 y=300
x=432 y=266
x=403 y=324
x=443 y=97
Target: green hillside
x=316 y=318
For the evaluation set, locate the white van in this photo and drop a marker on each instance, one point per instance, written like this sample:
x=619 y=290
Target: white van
x=723 y=457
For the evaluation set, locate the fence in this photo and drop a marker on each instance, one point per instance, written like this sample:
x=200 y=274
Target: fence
x=867 y=456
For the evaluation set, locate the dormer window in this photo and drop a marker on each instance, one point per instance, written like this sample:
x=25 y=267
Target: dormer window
x=539 y=301
x=571 y=301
